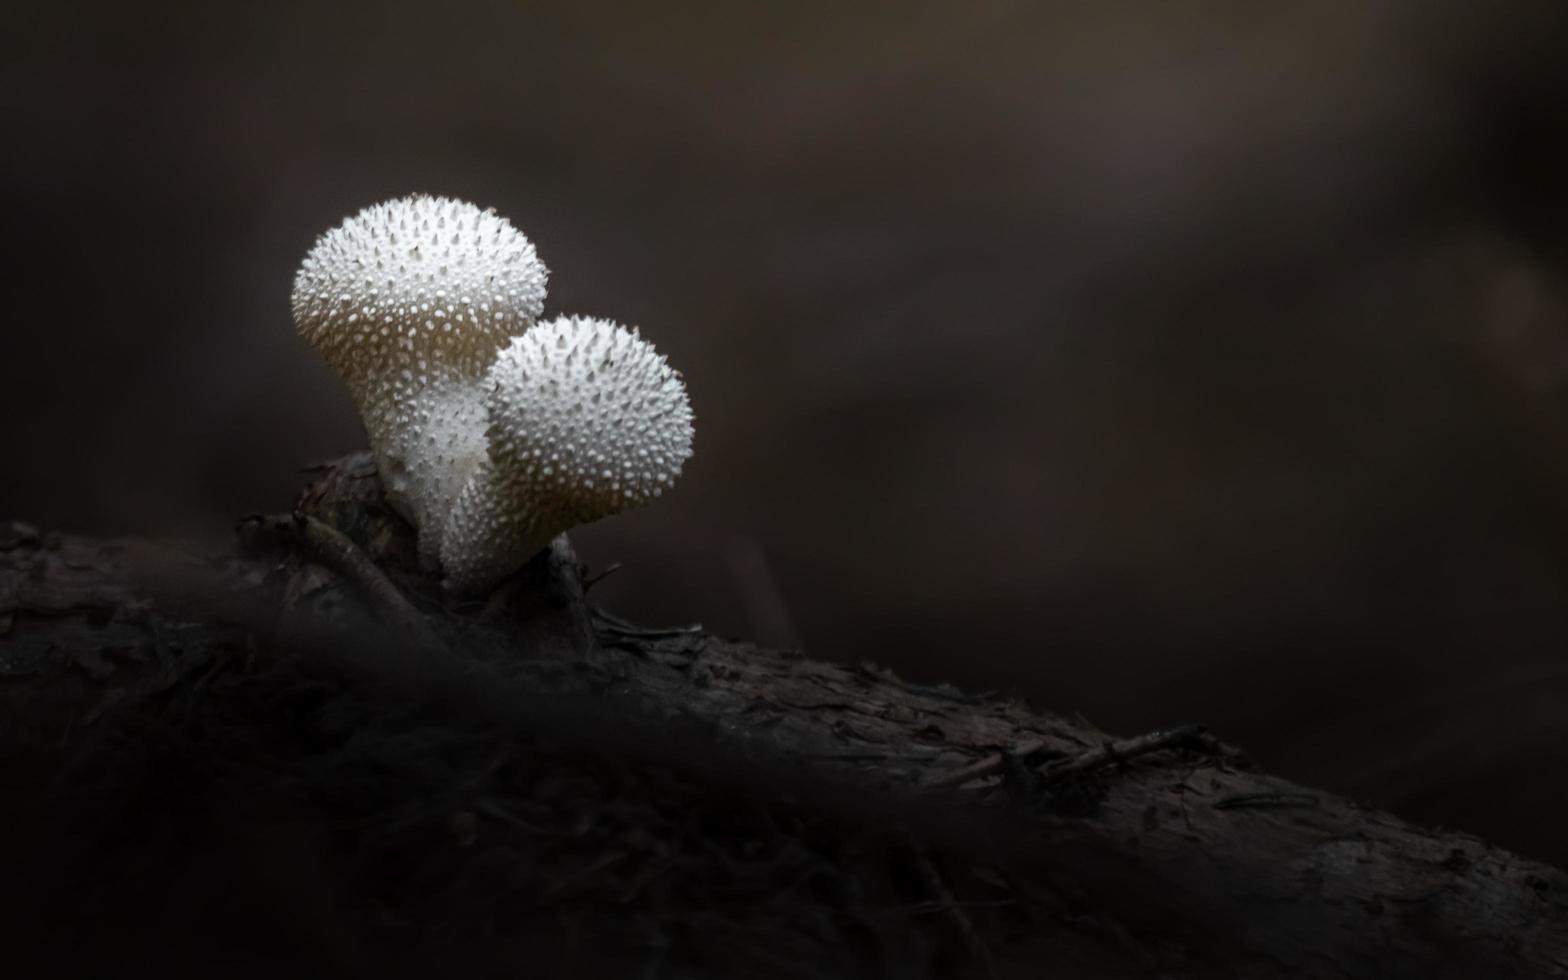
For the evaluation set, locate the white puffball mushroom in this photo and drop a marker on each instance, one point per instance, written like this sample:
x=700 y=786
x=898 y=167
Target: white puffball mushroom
x=492 y=434
x=586 y=420
x=409 y=301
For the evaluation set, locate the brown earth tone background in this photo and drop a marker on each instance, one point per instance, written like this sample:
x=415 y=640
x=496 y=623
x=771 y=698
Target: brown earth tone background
x=1165 y=362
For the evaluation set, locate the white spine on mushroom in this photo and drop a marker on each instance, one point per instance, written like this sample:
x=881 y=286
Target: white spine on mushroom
x=409 y=301
x=586 y=420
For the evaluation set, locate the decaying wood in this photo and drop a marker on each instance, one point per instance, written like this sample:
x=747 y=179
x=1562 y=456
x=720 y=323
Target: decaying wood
x=1165 y=849
x=308 y=540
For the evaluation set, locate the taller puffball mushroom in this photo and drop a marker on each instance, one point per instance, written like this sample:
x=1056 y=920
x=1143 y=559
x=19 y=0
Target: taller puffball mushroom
x=409 y=301
x=492 y=434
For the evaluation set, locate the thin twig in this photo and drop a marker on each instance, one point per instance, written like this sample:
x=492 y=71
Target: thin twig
x=609 y=570
x=326 y=546
x=1100 y=755
x=940 y=692
x=640 y=633
x=1119 y=751
x=1262 y=801
x=942 y=900
x=610 y=623
x=988 y=766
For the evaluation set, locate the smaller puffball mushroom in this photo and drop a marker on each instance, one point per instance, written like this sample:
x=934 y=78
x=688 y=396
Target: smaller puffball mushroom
x=409 y=301
x=586 y=420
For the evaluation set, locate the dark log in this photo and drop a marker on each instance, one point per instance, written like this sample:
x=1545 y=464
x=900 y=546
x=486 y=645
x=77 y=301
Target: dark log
x=1163 y=854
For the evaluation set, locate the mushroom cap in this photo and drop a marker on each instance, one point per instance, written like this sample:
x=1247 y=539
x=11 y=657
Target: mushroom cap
x=587 y=419
x=414 y=286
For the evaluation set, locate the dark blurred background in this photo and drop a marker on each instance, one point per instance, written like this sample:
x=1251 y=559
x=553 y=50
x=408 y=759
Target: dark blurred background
x=1163 y=362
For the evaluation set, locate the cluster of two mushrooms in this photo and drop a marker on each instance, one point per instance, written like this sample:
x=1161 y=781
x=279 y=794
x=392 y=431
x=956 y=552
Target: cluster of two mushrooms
x=493 y=432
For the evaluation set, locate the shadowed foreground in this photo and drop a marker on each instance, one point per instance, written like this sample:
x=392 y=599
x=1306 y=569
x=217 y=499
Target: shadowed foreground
x=223 y=762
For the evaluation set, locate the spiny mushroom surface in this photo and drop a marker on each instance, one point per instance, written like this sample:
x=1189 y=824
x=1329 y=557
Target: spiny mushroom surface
x=410 y=301
x=586 y=420
x=489 y=443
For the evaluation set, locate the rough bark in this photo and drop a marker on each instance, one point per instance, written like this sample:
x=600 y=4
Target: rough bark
x=1163 y=854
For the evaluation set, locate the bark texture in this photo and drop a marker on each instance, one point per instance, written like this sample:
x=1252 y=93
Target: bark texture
x=1010 y=841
